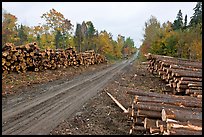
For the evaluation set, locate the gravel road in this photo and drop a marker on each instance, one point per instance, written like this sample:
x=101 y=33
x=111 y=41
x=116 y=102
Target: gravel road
x=49 y=104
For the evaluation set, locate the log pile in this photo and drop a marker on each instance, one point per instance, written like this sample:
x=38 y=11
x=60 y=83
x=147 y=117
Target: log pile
x=182 y=76
x=165 y=114
x=29 y=57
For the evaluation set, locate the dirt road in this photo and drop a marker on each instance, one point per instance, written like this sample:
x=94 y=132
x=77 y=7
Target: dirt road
x=48 y=105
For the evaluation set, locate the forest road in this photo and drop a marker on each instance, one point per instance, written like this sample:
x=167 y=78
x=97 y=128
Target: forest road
x=43 y=108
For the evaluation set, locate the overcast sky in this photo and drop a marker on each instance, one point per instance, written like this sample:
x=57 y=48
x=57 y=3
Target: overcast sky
x=125 y=18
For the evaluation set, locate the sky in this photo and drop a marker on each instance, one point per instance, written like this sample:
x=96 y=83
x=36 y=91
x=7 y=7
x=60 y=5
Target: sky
x=124 y=18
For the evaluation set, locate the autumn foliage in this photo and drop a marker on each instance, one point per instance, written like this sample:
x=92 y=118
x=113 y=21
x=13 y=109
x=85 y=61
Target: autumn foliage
x=57 y=33
x=177 y=39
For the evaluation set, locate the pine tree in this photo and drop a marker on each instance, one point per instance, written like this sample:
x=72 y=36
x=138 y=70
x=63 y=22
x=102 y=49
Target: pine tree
x=22 y=35
x=185 y=22
x=197 y=16
x=57 y=39
x=78 y=37
x=178 y=23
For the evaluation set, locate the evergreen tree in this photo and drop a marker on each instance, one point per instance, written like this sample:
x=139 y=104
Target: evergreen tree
x=197 y=16
x=185 y=22
x=178 y=23
x=57 y=39
x=78 y=37
x=22 y=35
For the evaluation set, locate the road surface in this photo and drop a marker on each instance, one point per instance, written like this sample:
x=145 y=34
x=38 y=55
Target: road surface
x=48 y=105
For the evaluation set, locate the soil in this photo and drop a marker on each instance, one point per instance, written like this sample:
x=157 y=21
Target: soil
x=100 y=115
x=95 y=114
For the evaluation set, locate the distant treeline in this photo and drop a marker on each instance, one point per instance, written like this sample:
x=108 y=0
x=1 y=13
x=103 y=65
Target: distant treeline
x=178 y=39
x=58 y=33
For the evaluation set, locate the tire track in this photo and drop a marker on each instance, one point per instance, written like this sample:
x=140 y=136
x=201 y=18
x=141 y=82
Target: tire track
x=46 y=111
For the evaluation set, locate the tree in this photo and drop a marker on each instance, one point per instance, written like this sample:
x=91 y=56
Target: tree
x=56 y=22
x=118 y=48
x=9 y=33
x=37 y=33
x=106 y=44
x=178 y=23
x=129 y=46
x=197 y=16
x=78 y=37
x=185 y=22
x=91 y=31
x=57 y=38
x=151 y=31
x=22 y=35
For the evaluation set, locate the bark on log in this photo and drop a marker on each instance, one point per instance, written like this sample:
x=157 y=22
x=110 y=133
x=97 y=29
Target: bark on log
x=174 y=66
x=195 y=84
x=186 y=125
x=160 y=122
x=197 y=88
x=139 y=120
x=139 y=128
x=193 y=91
x=154 y=106
x=180 y=115
x=191 y=79
x=160 y=95
x=149 y=114
x=183 y=131
x=149 y=123
x=173 y=101
x=154 y=130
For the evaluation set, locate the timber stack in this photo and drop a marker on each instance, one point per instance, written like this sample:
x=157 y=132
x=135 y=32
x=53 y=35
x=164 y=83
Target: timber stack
x=29 y=57
x=182 y=76
x=164 y=114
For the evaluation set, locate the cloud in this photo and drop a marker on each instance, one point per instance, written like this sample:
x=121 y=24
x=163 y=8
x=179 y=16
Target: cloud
x=125 y=18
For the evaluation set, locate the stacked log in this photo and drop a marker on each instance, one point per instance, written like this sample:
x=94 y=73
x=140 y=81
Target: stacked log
x=181 y=75
x=19 y=58
x=29 y=57
x=163 y=114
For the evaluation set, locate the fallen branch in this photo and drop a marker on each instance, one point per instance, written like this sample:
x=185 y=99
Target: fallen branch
x=124 y=109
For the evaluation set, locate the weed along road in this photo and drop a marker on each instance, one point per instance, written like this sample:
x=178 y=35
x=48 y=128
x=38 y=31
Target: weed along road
x=50 y=104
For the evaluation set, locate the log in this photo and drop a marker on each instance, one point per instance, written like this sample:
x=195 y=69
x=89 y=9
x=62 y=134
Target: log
x=118 y=103
x=154 y=130
x=174 y=66
x=183 y=131
x=163 y=128
x=197 y=88
x=139 y=120
x=155 y=106
x=173 y=101
x=193 y=91
x=149 y=114
x=180 y=115
x=38 y=60
x=189 y=82
x=187 y=74
x=186 y=125
x=182 y=86
x=160 y=122
x=199 y=96
x=191 y=79
x=139 y=128
x=177 y=61
x=149 y=123
x=195 y=84
x=160 y=95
